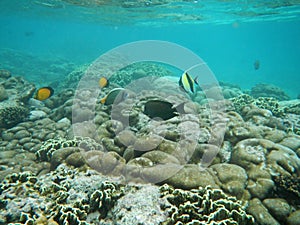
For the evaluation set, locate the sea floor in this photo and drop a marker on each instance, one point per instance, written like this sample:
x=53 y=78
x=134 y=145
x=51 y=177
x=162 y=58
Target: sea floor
x=72 y=160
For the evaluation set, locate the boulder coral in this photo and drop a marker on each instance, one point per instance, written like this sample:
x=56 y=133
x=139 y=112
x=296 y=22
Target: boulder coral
x=261 y=159
x=30 y=135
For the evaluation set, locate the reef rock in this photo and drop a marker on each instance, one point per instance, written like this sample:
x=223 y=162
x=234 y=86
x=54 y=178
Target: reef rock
x=260 y=213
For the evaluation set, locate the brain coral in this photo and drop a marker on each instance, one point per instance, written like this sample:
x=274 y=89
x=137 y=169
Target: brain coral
x=203 y=206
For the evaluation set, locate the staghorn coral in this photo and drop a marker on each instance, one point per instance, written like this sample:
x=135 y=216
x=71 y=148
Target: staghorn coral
x=203 y=206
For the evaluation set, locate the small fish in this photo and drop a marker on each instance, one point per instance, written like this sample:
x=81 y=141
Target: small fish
x=162 y=109
x=256 y=64
x=103 y=82
x=187 y=83
x=43 y=93
x=115 y=96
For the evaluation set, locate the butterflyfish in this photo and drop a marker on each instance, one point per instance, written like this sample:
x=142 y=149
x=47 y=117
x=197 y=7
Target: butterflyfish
x=103 y=82
x=43 y=93
x=187 y=83
x=115 y=96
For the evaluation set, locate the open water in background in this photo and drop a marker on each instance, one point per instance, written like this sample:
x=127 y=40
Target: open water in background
x=229 y=44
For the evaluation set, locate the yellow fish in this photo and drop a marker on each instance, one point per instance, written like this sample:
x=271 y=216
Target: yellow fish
x=44 y=93
x=103 y=82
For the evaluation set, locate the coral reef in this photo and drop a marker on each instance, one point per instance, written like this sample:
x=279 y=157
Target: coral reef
x=269 y=90
x=260 y=212
x=3 y=93
x=292 y=106
x=11 y=115
x=30 y=135
x=230 y=90
x=58 y=151
x=269 y=103
x=72 y=79
x=4 y=74
x=203 y=206
x=258 y=157
x=59 y=197
x=42 y=70
x=138 y=70
x=14 y=95
x=248 y=150
x=288 y=187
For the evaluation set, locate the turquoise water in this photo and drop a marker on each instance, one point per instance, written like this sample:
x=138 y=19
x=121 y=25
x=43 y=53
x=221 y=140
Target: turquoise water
x=98 y=96
x=228 y=37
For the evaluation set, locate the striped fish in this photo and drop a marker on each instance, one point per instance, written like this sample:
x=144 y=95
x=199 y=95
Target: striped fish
x=187 y=83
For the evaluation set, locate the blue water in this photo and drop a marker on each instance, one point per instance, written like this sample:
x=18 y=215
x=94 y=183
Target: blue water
x=229 y=49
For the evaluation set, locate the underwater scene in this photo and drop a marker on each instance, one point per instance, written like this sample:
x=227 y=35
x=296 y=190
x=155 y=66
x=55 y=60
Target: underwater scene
x=150 y=112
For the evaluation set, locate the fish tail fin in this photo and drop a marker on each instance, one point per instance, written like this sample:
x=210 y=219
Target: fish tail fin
x=180 y=108
x=196 y=80
x=103 y=100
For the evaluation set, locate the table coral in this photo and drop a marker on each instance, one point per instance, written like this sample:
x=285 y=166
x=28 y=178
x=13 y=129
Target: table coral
x=203 y=206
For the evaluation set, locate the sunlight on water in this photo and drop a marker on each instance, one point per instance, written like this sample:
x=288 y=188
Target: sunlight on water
x=158 y=12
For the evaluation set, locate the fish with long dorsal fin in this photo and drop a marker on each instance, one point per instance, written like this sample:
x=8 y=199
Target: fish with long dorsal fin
x=187 y=83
